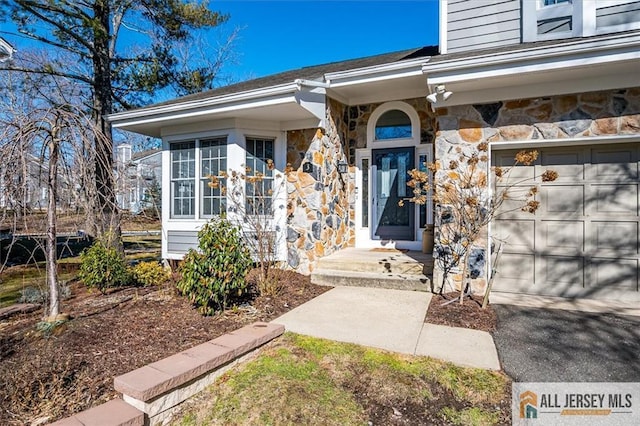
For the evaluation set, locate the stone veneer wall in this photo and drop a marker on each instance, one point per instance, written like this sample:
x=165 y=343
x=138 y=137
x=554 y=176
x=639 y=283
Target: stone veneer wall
x=357 y=118
x=591 y=114
x=320 y=204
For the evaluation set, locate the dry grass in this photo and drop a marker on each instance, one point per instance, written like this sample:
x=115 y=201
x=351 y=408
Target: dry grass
x=304 y=380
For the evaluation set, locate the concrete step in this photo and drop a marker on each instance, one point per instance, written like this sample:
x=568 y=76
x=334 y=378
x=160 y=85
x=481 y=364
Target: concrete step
x=376 y=263
x=397 y=281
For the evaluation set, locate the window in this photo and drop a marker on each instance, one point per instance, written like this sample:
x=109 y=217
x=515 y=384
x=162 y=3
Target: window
x=553 y=2
x=183 y=173
x=259 y=185
x=213 y=160
x=393 y=124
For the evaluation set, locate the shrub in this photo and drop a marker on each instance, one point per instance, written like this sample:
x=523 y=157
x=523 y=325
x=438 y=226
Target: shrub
x=149 y=273
x=215 y=273
x=102 y=267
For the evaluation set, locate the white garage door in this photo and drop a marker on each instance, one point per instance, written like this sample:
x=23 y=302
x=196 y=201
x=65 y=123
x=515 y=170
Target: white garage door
x=583 y=240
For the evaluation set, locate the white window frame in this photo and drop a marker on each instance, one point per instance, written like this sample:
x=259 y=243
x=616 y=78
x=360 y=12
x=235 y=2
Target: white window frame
x=204 y=180
x=174 y=181
x=583 y=16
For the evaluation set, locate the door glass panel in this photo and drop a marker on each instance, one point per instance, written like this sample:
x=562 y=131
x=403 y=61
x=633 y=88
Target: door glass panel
x=392 y=220
x=365 y=192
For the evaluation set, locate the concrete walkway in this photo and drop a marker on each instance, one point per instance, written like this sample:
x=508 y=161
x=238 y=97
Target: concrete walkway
x=391 y=320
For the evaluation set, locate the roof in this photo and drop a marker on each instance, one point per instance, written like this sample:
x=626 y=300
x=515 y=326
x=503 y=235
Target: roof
x=316 y=72
x=6 y=50
x=143 y=154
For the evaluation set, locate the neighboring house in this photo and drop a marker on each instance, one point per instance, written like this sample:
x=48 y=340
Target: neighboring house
x=138 y=177
x=561 y=77
x=23 y=181
x=6 y=50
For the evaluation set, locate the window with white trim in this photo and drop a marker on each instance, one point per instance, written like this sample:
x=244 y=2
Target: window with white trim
x=183 y=182
x=259 y=171
x=393 y=124
x=213 y=161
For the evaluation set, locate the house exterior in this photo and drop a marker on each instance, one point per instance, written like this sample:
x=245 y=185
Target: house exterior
x=138 y=177
x=23 y=181
x=6 y=50
x=561 y=77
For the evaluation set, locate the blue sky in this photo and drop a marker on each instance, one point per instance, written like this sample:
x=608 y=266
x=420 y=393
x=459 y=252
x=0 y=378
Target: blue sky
x=277 y=36
x=283 y=35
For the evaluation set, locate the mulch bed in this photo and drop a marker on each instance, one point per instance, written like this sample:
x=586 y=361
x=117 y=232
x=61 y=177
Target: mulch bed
x=47 y=376
x=467 y=315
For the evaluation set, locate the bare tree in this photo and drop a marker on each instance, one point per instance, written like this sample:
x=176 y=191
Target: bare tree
x=465 y=203
x=115 y=72
x=45 y=115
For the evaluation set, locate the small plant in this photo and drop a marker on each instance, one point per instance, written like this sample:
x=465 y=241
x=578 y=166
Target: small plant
x=149 y=273
x=103 y=267
x=215 y=273
x=41 y=295
x=32 y=295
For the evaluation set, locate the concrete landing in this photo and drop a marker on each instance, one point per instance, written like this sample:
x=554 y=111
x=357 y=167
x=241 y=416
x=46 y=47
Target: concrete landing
x=392 y=320
x=378 y=268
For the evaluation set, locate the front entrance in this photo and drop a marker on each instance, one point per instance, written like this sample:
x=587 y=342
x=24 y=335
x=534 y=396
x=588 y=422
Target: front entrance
x=390 y=168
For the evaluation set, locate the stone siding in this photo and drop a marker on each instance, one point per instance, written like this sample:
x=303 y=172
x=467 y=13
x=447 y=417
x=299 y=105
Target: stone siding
x=320 y=215
x=593 y=114
x=357 y=118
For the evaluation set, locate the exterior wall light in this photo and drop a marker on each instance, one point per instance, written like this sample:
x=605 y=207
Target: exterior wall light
x=441 y=92
x=342 y=167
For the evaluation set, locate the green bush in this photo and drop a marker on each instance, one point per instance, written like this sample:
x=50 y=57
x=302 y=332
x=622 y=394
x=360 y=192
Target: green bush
x=149 y=273
x=215 y=273
x=103 y=267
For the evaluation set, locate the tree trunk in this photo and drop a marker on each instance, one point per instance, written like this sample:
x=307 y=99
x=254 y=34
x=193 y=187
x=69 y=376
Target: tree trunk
x=52 y=253
x=107 y=218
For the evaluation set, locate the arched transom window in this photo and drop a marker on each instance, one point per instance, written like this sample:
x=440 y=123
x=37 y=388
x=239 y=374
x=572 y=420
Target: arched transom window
x=393 y=124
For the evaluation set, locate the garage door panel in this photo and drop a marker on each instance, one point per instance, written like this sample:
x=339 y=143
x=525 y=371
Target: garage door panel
x=506 y=159
x=520 y=234
x=568 y=164
x=619 y=237
x=564 y=235
x=586 y=232
x=561 y=272
x=516 y=272
x=619 y=164
x=511 y=207
x=614 y=199
x=564 y=199
x=613 y=275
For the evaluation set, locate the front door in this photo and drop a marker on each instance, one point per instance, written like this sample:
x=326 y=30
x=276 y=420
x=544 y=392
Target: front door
x=390 y=220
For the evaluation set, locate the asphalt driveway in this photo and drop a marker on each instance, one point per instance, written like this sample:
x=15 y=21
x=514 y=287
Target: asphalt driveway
x=553 y=345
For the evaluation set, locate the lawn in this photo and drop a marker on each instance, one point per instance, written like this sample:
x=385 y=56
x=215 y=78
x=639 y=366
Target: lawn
x=14 y=279
x=305 y=380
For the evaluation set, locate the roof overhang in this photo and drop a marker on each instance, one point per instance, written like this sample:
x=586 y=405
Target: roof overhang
x=6 y=51
x=284 y=104
x=299 y=104
x=566 y=67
